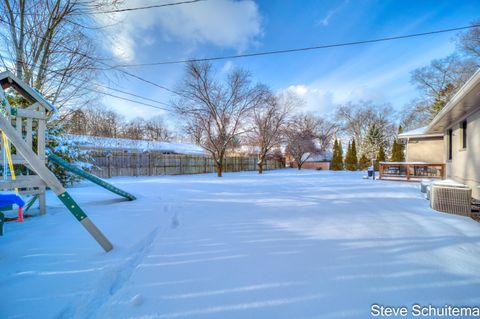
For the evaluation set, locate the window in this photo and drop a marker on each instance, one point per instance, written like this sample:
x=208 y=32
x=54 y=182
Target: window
x=464 y=134
x=450 y=135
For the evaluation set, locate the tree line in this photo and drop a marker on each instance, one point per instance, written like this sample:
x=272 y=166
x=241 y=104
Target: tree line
x=104 y=122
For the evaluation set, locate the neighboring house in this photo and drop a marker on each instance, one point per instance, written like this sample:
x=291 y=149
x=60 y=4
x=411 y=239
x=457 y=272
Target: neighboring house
x=314 y=161
x=459 y=122
x=423 y=147
x=95 y=143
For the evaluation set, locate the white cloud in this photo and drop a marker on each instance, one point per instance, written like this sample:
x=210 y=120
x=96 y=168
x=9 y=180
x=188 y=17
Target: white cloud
x=223 y=23
x=325 y=21
x=316 y=100
x=227 y=67
x=131 y=110
x=324 y=101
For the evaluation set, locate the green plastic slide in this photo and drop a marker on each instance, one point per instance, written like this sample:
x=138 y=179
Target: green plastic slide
x=92 y=178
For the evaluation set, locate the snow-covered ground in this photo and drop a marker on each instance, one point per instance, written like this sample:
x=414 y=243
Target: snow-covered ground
x=287 y=244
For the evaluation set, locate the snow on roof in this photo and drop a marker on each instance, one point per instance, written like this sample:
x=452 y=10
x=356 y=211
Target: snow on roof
x=319 y=157
x=402 y=163
x=419 y=132
x=109 y=143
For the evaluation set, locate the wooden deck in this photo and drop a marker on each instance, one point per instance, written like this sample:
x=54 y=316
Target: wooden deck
x=410 y=172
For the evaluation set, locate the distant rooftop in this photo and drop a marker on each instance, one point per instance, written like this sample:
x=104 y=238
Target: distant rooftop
x=319 y=157
x=419 y=132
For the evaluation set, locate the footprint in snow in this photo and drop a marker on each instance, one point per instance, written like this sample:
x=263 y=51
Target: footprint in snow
x=175 y=222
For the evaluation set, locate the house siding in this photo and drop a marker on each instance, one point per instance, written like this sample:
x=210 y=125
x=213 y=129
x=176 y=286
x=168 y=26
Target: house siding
x=465 y=164
x=429 y=150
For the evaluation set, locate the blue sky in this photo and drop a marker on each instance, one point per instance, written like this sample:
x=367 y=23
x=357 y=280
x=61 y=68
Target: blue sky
x=323 y=78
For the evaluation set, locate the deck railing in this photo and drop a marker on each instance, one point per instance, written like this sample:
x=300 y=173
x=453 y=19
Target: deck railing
x=406 y=171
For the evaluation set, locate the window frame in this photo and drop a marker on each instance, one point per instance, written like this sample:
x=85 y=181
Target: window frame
x=464 y=128
x=450 y=145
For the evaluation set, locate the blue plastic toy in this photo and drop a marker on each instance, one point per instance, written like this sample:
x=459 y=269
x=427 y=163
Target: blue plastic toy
x=9 y=200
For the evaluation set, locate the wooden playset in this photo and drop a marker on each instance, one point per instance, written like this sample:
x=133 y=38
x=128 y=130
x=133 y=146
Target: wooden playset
x=23 y=151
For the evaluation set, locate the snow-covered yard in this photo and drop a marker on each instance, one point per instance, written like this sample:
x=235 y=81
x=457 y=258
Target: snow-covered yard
x=287 y=244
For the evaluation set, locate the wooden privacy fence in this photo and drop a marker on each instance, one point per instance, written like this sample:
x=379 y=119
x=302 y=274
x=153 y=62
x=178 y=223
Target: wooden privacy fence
x=153 y=163
x=411 y=172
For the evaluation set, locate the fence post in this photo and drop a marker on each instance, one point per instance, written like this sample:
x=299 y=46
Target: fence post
x=150 y=164
x=136 y=159
x=164 y=157
x=109 y=164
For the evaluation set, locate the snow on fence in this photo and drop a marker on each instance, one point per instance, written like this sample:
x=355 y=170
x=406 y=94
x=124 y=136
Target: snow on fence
x=155 y=163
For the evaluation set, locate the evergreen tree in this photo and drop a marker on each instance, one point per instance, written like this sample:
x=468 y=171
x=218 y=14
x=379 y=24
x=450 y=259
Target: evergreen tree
x=351 y=161
x=373 y=140
x=394 y=155
x=337 y=158
x=58 y=144
x=349 y=150
x=340 y=156
x=363 y=163
x=380 y=157
x=401 y=147
x=397 y=152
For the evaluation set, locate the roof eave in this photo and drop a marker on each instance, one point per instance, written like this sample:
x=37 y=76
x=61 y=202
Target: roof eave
x=33 y=94
x=454 y=101
x=420 y=135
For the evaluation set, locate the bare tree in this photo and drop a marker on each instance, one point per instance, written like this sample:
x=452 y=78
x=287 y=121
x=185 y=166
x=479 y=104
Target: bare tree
x=353 y=120
x=416 y=114
x=104 y=122
x=300 y=146
x=322 y=129
x=269 y=118
x=78 y=122
x=437 y=83
x=442 y=78
x=469 y=42
x=300 y=139
x=100 y=121
x=48 y=44
x=134 y=129
x=156 y=130
x=215 y=110
x=94 y=121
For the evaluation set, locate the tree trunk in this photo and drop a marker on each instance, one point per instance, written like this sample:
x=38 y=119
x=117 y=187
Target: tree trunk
x=299 y=165
x=219 y=169
x=260 y=167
